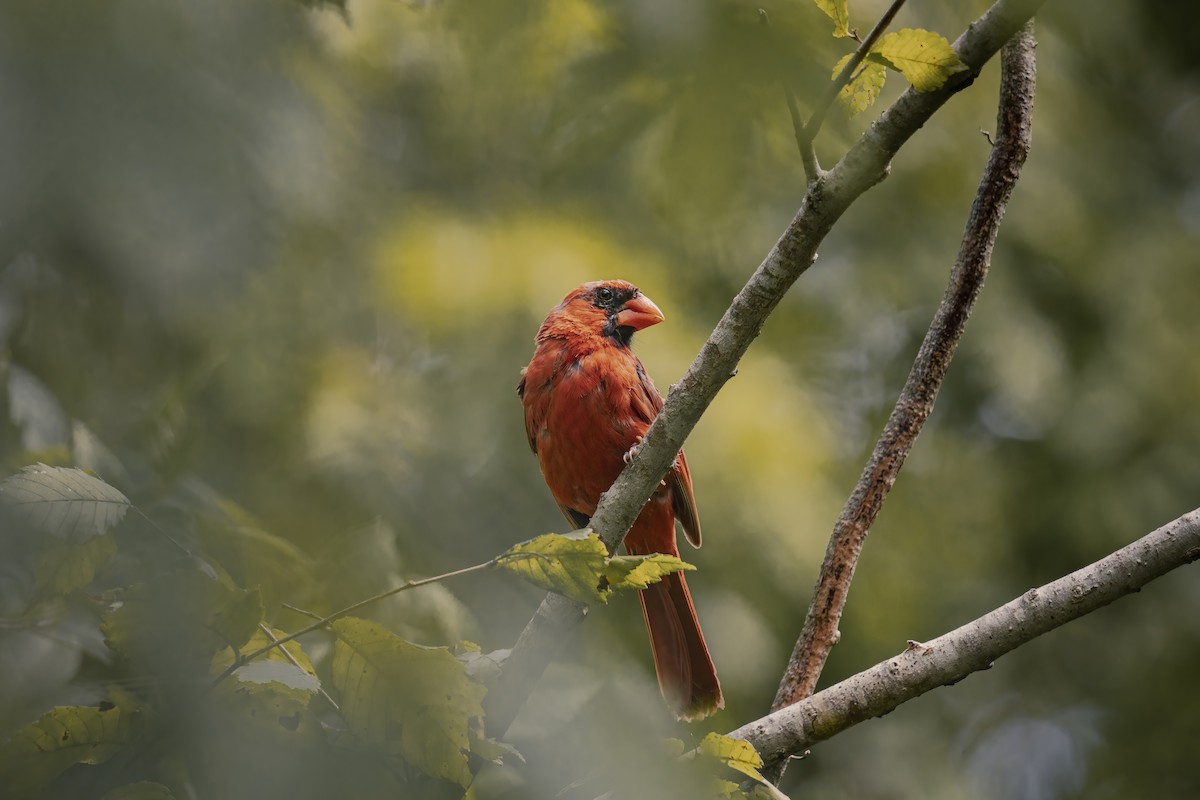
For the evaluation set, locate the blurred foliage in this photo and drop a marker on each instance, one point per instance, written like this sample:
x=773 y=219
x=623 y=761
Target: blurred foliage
x=271 y=270
x=415 y=711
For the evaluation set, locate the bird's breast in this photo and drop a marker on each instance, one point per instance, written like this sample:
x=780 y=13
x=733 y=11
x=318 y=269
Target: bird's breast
x=584 y=428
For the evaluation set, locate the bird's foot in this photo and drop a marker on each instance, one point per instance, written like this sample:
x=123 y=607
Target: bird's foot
x=637 y=443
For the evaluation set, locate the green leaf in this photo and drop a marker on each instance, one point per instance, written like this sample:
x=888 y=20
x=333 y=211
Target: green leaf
x=65 y=736
x=570 y=564
x=863 y=89
x=179 y=619
x=67 y=503
x=836 y=11
x=925 y=58
x=62 y=567
x=142 y=790
x=253 y=555
x=638 y=572
x=414 y=701
x=235 y=615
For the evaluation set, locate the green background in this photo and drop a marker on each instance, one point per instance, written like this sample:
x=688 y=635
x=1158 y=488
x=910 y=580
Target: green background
x=292 y=259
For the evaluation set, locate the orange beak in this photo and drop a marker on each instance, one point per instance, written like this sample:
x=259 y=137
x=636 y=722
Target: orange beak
x=640 y=312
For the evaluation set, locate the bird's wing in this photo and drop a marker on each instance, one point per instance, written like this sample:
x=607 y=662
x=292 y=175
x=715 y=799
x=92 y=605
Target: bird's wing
x=647 y=402
x=575 y=519
x=683 y=500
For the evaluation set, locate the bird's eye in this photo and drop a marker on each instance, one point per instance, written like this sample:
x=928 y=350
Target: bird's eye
x=605 y=294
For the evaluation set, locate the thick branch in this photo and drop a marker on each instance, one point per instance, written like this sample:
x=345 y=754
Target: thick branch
x=824 y=202
x=915 y=404
x=976 y=645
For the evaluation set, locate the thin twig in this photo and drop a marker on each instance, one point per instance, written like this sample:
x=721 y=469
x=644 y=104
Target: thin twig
x=1014 y=129
x=975 y=646
x=242 y=660
x=270 y=634
x=831 y=92
x=163 y=532
x=301 y=611
x=812 y=169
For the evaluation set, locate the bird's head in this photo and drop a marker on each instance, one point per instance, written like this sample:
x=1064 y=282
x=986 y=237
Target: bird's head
x=616 y=309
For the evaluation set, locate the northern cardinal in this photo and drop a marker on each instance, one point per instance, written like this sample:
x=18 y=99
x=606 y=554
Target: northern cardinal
x=588 y=402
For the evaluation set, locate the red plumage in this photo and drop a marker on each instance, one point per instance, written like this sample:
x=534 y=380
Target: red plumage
x=588 y=401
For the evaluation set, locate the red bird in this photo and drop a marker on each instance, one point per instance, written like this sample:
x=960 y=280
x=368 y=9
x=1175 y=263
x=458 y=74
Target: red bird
x=588 y=401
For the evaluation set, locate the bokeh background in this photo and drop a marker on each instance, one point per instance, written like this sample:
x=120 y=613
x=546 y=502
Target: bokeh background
x=277 y=266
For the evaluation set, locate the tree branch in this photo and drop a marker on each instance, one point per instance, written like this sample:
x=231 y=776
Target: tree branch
x=242 y=660
x=915 y=404
x=808 y=156
x=974 y=646
x=864 y=165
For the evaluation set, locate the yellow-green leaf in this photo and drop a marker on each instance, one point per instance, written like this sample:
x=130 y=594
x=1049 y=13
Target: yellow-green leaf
x=64 y=502
x=925 y=58
x=289 y=673
x=727 y=789
x=570 y=564
x=65 y=736
x=413 y=701
x=578 y=565
x=836 y=11
x=270 y=708
x=638 y=572
x=863 y=89
x=224 y=658
x=736 y=754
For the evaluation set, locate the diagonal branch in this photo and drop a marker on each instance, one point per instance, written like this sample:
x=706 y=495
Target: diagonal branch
x=974 y=646
x=915 y=404
x=825 y=200
x=241 y=660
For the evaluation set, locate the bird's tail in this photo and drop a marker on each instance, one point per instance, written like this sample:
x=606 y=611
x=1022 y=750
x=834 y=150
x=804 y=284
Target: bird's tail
x=686 y=674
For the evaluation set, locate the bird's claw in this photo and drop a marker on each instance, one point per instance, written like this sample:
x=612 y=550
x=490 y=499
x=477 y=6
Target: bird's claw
x=637 y=443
